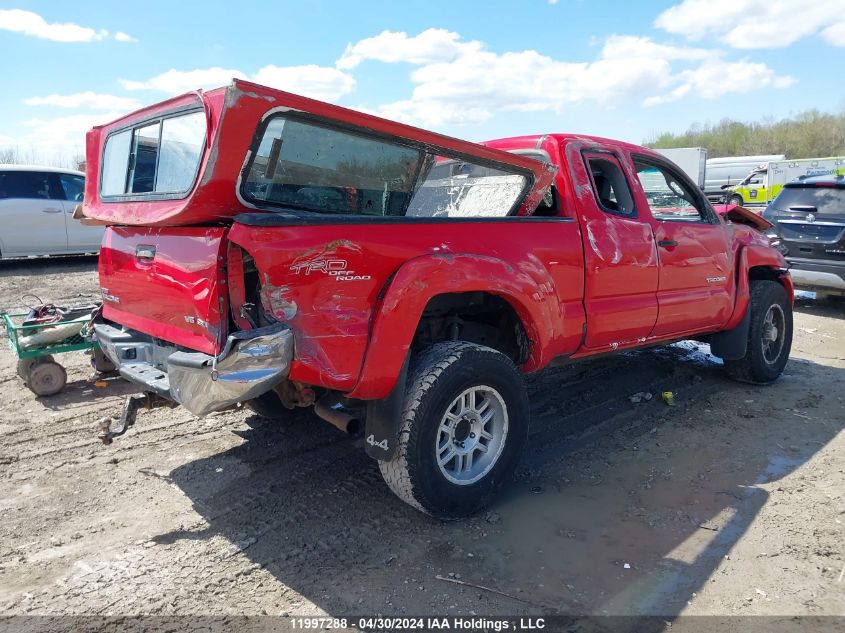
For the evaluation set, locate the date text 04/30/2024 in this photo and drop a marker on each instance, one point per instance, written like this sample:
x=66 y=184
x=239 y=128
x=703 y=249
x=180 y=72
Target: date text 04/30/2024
x=452 y=623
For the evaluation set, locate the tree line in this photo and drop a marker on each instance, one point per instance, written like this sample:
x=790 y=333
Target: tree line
x=14 y=155
x=810 y=134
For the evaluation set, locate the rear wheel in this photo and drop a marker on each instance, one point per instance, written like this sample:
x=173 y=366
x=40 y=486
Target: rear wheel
x=102 y=364
x=769 y=335
x=46 y=377
x=465 y=424
x=24 y=365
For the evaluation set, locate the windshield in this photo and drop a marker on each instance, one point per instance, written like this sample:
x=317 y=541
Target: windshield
x=826 y=200
x=312 y=167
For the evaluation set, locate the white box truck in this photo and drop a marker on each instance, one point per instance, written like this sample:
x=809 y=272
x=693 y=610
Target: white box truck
x=764 y=183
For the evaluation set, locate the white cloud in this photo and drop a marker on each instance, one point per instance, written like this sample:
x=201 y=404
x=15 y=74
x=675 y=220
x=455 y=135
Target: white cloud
x=432 y=45
x=472 y=84
x=749 y=24
x=835 y=34
x=120 y=36
x=717 y=78
x=32 y=24
x=178 y=81
x=629 y=46
x=49 y=139
x=319 y=82
x=92 y=100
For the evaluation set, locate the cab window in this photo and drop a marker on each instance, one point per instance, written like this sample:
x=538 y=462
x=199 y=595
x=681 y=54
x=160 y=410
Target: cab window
x=669 y=199
x=609 y=185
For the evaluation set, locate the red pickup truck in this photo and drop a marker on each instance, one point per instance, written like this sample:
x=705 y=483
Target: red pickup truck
x=271 y=250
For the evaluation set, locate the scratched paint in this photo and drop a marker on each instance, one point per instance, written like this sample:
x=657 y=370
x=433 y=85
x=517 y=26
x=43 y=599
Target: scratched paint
x=276 y=301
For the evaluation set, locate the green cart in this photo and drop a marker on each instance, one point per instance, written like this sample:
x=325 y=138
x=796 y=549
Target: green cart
x=35 y=343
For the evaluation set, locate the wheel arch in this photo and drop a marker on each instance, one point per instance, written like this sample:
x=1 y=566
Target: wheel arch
x=527 y=290
x=754 y=263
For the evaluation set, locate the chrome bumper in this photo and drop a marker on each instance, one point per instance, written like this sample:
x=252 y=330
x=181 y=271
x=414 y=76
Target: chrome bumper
x=803 y=278
x=252 y=362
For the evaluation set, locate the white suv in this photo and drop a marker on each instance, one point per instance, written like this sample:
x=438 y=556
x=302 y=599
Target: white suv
x=36 y=213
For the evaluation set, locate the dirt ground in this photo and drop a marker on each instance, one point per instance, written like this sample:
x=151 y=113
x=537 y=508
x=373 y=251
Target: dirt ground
x=730 y=502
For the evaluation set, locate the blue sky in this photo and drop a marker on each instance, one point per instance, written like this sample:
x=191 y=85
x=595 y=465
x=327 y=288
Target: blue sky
x=471 y=69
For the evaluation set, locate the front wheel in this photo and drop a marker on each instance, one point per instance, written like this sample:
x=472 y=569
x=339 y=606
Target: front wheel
x=736 y=200
x=769 y=335
x=465 y=423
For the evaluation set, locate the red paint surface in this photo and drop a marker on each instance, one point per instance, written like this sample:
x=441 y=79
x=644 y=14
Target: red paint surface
x=338 y=323
x=176 y=295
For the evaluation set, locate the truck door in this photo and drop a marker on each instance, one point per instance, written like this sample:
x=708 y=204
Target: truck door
x=696 y=284
x=619 y=255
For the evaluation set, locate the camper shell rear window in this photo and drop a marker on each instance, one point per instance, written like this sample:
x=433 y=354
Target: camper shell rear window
x=308 y=165
x=157 y=159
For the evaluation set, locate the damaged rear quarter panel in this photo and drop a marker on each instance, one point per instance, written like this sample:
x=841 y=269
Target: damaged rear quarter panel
x=342 y=289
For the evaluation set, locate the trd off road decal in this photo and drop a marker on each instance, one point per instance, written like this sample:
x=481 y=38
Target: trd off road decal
x=337 y=268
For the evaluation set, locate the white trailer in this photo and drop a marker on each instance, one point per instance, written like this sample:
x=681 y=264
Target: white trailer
x=693 y=160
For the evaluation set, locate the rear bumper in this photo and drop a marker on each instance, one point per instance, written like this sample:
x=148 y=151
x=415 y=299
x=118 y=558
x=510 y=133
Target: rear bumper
x=823 y=276
x=252 y=362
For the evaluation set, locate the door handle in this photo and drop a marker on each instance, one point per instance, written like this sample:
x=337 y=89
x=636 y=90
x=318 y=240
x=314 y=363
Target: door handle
x=667 y=243
x=51 y=210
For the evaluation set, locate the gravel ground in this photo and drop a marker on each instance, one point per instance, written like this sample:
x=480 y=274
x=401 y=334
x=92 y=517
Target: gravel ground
x=730 y=502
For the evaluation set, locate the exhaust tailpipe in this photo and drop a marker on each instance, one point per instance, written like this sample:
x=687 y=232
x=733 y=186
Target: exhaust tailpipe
x=340 y=419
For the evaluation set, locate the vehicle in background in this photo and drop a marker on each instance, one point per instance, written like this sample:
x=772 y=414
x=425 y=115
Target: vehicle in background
x=764 y=183
x=808 y=218
x=693 y=160
x=275 y=251
x=36 y=207
x=730 y=170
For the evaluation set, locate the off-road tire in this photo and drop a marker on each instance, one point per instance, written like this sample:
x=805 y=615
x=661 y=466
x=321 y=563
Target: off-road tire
x=736 y=200
x=754 y=367
x=436 y=377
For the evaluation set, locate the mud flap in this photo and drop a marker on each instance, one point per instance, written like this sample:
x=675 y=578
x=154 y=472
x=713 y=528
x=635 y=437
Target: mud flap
x=384 y=419
x=732 y=344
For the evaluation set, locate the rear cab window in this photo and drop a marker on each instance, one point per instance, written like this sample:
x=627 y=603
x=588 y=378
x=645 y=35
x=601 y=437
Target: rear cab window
x=610 y=188
x=311 y=166
x=155 y=159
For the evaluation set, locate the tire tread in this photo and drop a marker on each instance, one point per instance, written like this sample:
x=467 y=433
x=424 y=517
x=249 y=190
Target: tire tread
x=424 y=372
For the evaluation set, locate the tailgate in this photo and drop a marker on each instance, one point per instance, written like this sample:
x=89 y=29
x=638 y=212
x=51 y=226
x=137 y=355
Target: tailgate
x=168 y=283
